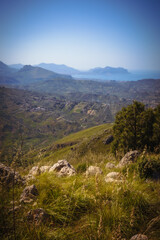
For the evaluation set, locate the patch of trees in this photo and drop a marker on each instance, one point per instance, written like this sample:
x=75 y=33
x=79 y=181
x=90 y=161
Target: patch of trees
x=137 y=128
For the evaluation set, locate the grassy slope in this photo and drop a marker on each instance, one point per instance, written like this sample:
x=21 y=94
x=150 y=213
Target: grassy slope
x=74 y=147
x=87 y=208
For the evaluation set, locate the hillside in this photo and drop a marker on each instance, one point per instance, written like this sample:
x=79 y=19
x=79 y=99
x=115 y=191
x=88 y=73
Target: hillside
x=84 y=205
x=5 y=70
x=29 y=74
x=43 y=118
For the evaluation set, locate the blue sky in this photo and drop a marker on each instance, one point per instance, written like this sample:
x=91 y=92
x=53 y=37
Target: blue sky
x=81 y=33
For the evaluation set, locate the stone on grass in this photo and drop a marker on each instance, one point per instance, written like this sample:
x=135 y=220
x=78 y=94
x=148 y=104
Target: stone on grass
x=29 y=194
x=63 y=168
x=128 y=158
x=139 y=237
x=113 y=177
x=93 y=170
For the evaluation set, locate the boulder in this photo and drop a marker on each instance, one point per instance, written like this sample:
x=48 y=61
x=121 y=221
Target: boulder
x=63 y=168
x=38 y=216
x=139 y=237
x=44 y=169
x=113 y=177
x=29 y=194
x=34 y=171
x=93 y=170
x=128 y=158
x=110 y=165
x=108 y=140
x=7 y=175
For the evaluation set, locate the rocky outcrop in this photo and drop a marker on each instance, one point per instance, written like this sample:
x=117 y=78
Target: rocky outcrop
x=110 y=165
x=34 y=171
x=108 y=140
x=113 y=177
x=29 y=194
x=63 y=168
x=7 y=175
x=139 y=237
x=44 y=169
x=93 y=170
x=38 y=216
x=128 y=158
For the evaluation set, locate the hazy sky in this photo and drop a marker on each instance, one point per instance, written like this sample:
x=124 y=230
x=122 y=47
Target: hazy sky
x=81 y=33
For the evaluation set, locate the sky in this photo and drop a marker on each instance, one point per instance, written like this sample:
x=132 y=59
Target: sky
x=81 y=33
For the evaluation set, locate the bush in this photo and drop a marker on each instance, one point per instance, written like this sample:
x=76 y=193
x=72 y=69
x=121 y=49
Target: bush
x=149 y=168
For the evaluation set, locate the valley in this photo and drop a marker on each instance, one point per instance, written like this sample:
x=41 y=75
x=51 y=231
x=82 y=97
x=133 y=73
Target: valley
x=65 y=170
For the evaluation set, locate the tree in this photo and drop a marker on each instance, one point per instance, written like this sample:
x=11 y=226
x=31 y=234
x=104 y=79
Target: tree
x=133 y=128
x=156 y=128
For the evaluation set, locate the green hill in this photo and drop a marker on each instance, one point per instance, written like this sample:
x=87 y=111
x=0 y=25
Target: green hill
x=84 y=207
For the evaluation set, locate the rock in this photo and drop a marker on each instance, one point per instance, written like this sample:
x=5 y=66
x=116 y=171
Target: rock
x=29 y=194
x=110 y=165
x=139 y=237
x=113 y=177
x=44 y=169
x=128 y=158
x=38 y=216
x=63 y=168
x=93 y=170
x=7 y=175
x=34 y=171
x=108 y=140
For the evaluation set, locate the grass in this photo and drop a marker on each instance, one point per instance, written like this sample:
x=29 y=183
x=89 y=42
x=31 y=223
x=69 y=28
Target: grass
x=90 y=132
x=86 y=207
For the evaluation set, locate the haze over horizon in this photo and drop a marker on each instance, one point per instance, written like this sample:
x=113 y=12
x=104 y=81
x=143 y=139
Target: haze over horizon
x=81 y=34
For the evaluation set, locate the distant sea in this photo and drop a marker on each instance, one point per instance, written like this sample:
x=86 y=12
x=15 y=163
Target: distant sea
x=131 y=76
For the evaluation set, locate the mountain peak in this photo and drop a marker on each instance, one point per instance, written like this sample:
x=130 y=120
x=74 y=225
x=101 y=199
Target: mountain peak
x=108 y=70
x=26 y=68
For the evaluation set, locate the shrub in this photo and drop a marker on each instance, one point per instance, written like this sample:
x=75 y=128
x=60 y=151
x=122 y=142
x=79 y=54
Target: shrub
x=149 y=168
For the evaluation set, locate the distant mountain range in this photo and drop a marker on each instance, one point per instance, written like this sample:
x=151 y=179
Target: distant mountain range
x=52 y=71
x=27 y=75
x=63 y=69
x=108 y=70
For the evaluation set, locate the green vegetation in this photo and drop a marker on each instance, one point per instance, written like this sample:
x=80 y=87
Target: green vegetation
x=136 y=128
x=80 y=207
x=87 y=208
